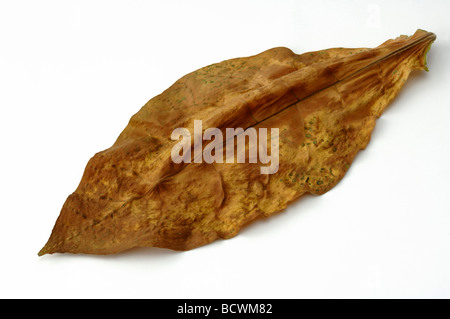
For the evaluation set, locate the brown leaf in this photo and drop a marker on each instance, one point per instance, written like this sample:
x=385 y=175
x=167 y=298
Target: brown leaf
x=323 y=103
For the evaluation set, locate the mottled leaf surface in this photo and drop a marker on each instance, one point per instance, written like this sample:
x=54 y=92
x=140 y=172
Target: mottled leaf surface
x=324 y=104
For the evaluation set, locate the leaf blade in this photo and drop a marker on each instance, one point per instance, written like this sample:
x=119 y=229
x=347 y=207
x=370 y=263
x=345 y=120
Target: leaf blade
x=325 y=106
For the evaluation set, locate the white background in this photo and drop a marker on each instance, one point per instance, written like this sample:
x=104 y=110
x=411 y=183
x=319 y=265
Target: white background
x=72 y=73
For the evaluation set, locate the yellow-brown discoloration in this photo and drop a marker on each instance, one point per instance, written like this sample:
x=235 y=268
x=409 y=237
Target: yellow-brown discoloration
x=324 y=104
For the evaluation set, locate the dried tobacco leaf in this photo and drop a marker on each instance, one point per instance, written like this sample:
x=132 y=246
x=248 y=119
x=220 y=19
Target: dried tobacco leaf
x=323 y=103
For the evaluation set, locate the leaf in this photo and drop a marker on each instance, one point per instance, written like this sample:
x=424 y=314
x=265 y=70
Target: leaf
x=324 y=105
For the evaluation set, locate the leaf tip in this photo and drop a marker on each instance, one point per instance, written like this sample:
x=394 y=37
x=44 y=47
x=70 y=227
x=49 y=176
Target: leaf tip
x=431 y=38
x=42 y=252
